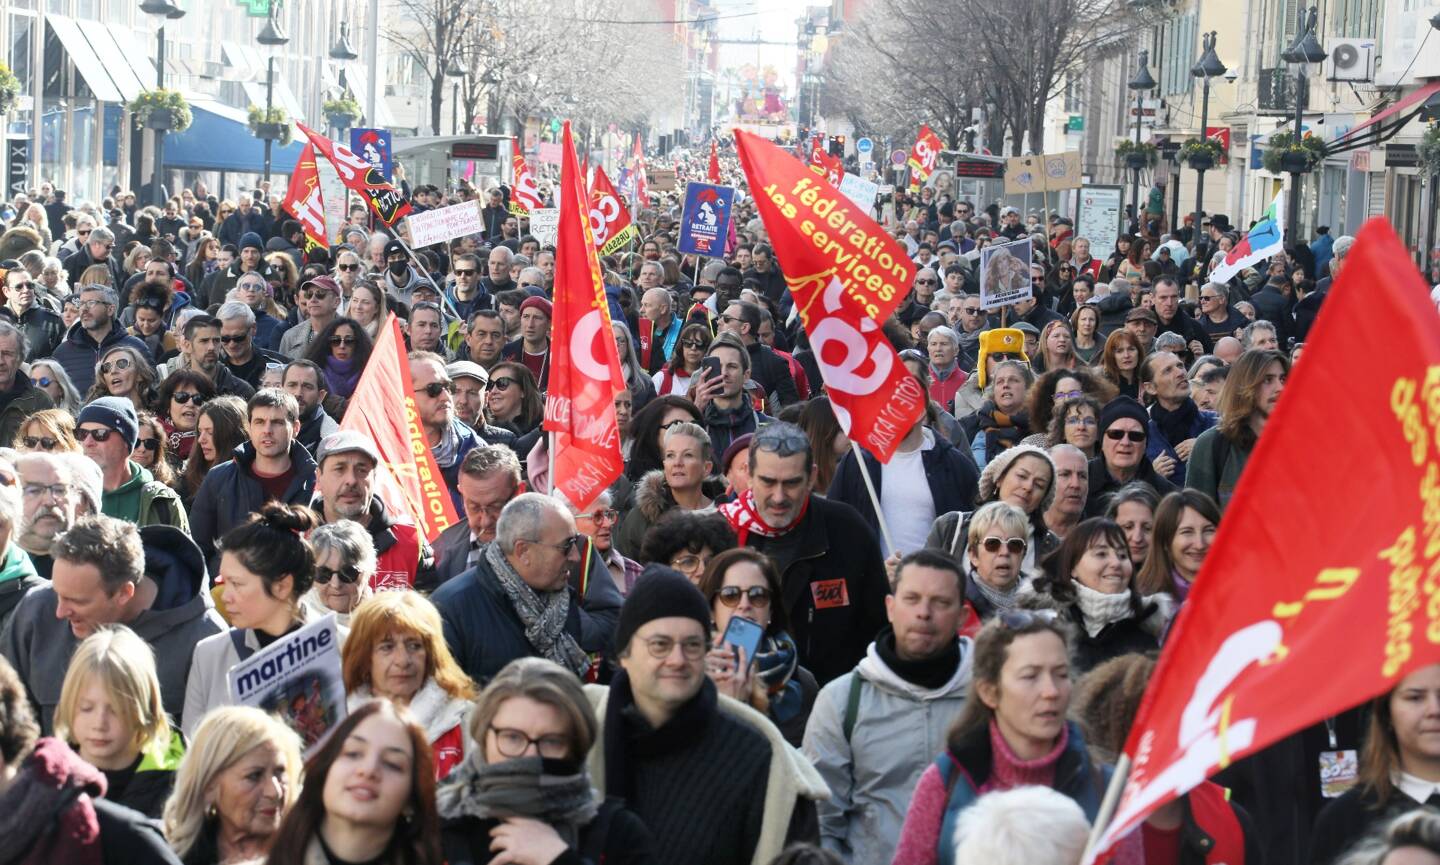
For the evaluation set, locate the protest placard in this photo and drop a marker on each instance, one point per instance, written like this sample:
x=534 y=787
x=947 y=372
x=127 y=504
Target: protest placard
x=297 y=678
x=1047 y=173
x=1005 y=274
x=1098 y=218
x=545 y=225
x=705 y=220
x=445 y=223
x=860 y=190
x=662 y=179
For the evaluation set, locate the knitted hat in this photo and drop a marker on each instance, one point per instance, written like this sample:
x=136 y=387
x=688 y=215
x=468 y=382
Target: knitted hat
x=117 y=413
x=996 y=469
x=1123 y=407
x=737 y=447
x=660 y=593
x=539 y=303
x=1001 y=340
x=251 y=240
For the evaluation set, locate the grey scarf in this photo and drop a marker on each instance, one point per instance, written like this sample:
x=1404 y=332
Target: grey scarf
x=448 y=449
x=998 y=598
x=543 y=615
x=560 y=797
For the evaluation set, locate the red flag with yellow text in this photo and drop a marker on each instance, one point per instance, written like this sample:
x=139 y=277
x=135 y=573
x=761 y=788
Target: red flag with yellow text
x=923 y=156
x=1319 y=590
x=714 y=173
x=524 y=194
x=610 y=222
x=846 y=276
x=383 y=408
x=827 y=166
x=585 y=369
x=304 y=201
x=361 y=177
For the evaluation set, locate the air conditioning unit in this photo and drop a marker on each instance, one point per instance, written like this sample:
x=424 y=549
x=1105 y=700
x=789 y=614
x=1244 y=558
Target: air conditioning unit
x=1351 y=60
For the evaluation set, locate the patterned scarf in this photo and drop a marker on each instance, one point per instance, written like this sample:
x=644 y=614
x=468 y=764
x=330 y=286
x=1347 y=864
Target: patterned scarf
x=449 y=447
x=555 y=792
x=745 y=518
x=543 y=615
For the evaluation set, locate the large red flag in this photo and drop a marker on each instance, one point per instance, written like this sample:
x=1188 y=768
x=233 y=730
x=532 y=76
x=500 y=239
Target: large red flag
x=923 y=155
x=383 y=408
x=585 y=373
x=610 y=222
x=1320 y=589
x=714 y=173
x=304 y=201
x=361 y=177
x=847 y=276
x=524 y=194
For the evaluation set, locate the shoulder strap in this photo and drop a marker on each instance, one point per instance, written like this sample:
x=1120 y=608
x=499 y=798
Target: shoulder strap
x=852 y=705
x=592 y=851
x=237 y=639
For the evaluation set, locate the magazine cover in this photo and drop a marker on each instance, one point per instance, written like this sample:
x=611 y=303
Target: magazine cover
x=298 y=678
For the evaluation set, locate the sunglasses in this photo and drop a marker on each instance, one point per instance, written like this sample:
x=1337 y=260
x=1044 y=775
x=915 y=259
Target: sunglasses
x=992 y=544
x=152 y=445
x=730 y=596
x=970 y=310
x=698 y=346
x=467 y=271
x=347 y=575
x=1133 y=435
x=122 y=364
x=502 y=383
x=926 y=282
x=337 y=339
x=435 y=388
x=181 y=397
x=43 y=381
x=100 y=435
x=44 y=443
x=565 y=547
x=348 y=267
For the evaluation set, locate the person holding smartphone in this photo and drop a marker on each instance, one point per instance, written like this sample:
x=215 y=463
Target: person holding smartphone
x=718 y=390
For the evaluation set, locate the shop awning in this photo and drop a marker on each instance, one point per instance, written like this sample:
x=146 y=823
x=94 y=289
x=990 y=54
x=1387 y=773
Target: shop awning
x=1410 y=100
x=220 y=140
x=91 y=70
x=115 y=60
x=238 y=61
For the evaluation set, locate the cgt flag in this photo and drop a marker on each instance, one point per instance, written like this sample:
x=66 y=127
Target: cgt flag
x=1264 y=239
x=610 y=222
x=304 y=201
x=585 y=373
x=524 y=194
x=1315 y=576
x=383 y=409
x=923 y=156
x=361 y=177
x=714 y=173
x=827 y=166
x=846 y=276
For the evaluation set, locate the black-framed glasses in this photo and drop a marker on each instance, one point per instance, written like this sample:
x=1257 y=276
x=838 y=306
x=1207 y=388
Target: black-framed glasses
x=339 y=340
x=44 y=443
x=514 y=743
x=693 y=648
x=501 y=383
x=992 y=544
x=121 y=365
x=181 y=397
x=1017 y=620
x=435 y=388
x=1135 y=435
x=730 y=596
x=149 y=444
x=565 y=547
x=100 y=435
x=347 y=574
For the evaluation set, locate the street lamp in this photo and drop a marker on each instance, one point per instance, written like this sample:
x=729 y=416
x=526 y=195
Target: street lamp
x=1304 y=50
x=1207 y=67
x=165 y=11
x=343 y=50
x=1142 y=81
x=271 y=36
x=456 y=71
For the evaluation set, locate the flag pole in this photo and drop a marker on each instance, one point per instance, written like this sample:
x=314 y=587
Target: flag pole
x=444 y=301
x=1108 y=805
x=874 y=497
x=550 y=455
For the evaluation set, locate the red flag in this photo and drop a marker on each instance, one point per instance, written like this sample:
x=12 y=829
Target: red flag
x=827 y=166
x=610 y=222
x=642 y=188
x=1315 y=576
x=714 y=173
x=383 y=408
x=923 y=155
x=585 y=372
x=361 y=177
x=847 y=276
x=524 y=194
x=304 y=201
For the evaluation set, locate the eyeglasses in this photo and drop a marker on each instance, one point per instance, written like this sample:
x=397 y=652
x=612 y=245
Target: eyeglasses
x=609 y=516
x=347 y=575
x=58 y=491
x=347 y=267
x=1017 y=620
x=121 y=365
x=43 y=381
x=992 y=544
x=87 y=304
x=1076 y=420
x=927 y=282
x=730 y=596
x=1062 y=395
x=565 y=547
x=502 y=383
x=514 y=743
x=693 y=648
x=688 y=562
x=435 y=388
x=100 y=435
x=1133 y=435
x=44 y=443
x=181 y=397
x=338 y=340
x=152 y=445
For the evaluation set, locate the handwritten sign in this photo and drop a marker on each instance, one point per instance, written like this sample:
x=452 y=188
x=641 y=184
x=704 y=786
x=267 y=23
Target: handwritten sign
x=545 y=225
x=445 y=223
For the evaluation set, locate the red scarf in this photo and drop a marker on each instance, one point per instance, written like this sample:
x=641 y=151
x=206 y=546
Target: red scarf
x=745 y=518
x=647 y=341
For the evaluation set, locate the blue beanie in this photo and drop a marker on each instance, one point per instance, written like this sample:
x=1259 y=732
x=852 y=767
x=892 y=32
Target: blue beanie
x=115 y=412
x=250 y=238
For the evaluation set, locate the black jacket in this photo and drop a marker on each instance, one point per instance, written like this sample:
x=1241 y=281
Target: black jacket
x=1353 y=816
x=951 y=473
x=727 y=425
x=833 y=584
x=1102 y=485
x=1115 y=639
x=43 y=329
x=231 y=492
x=773 y=374
x=76 y=264
x=1188 y=328
x=615 y=837
x=1270 y=305
x=228 y=383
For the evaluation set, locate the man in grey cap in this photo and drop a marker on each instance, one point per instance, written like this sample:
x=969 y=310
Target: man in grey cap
x=470 y=380
x=107 y=430
x=1010 y=225
x=1143 y=322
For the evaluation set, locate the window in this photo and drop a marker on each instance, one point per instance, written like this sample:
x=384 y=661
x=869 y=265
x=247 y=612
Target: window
x=1181 y=51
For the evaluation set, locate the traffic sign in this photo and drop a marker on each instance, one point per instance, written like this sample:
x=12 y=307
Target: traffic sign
x=898 y=157
x=864 y=146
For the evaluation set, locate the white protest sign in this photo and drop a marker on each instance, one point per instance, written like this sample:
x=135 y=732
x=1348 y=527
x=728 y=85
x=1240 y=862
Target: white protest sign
x=297 y=677
x=445 y=223
x=1098 y=218
x=1005 y=274
x=545 y=225
x=859 y=190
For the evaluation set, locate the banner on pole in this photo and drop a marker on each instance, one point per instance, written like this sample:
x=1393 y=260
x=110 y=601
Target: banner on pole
x=524 y=194
x=361 y=177
x=705 y=219
x=1264 y=239
x=610 y=221
x=304 y=201
x=860 y=190
x=1005 y=274
x=1045 y=173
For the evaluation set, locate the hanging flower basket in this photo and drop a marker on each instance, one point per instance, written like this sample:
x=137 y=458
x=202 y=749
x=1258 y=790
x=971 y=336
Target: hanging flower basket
x=272 y=125
x=1428 y=151
x=164 y=110
x=1201 y=154
x=1284 y=156
x=343 y=112
x=1137 y=156
x=9 y=88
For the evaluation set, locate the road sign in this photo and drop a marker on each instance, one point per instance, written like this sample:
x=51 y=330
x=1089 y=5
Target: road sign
x=864 y=146
x=898 y=157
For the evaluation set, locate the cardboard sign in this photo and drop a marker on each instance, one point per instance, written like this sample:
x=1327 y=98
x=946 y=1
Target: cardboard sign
x=705 y=219
x=1005 y=274
x=549 y=152
x=860 y=190
x=445 y=223
x=545 y=225
x=661 y=179
x=1047 y=173
x=297 y=677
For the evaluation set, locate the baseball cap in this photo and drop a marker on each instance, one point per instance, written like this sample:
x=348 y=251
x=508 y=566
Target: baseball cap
x=347 y=441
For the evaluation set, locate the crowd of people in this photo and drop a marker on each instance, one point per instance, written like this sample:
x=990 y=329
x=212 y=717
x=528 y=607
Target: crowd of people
x=944 y=670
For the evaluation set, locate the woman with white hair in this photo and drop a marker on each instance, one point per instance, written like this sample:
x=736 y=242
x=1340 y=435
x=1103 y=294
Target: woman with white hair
x=942 y=347
x=345 y=563
x=1021 y=827
x=51 y=377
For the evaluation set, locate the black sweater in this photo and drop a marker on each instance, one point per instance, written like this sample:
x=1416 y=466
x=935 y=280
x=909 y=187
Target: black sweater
x=1350 y=818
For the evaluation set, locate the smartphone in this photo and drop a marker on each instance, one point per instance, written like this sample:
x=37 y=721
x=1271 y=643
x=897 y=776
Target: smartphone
x=745 y=635
x=713 y=365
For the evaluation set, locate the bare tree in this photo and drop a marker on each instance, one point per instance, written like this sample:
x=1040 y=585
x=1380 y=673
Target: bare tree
x=432 y=33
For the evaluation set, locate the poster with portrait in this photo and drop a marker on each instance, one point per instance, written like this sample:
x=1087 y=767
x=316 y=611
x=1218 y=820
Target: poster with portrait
x=1005 y=274
x=296 y=678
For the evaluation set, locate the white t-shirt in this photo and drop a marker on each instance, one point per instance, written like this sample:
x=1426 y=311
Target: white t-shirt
x=905 y=498
x=679 y=384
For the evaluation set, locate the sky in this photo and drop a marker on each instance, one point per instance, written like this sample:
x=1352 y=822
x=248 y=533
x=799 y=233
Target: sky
x=770 y=20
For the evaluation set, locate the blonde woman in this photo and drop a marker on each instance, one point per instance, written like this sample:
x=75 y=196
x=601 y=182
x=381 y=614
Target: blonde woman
x=236 y=784
x=110 y=713
x=49 y=431
x=123 y=371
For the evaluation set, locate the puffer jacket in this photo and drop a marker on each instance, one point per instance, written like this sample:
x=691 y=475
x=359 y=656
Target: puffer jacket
x=896 y=730
x=231 y=492
x=652 y=499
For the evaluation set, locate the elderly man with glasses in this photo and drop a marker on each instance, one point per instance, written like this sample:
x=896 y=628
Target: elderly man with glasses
x=94 y=333
x=97 y=247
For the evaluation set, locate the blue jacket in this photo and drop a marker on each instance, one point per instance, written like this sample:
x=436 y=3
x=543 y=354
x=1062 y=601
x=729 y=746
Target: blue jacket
x=1157 y=444
x=954 y=481
x=468 y=442
x=1323 y=248
x=231 y=492
x=78 y=352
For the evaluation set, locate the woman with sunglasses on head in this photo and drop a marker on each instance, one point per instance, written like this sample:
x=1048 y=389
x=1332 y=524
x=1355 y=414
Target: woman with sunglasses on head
x=182 y=395
x=218 y=432
x=1024 y=476
x=283 y=277
x=396 y=651
x=674 y=377
x=341 y=348
x=345 y=562
x=1012 y=732
x=743 y=582
x=512 y=400
x=122 y=371
x=48 y=431
x=150 y=451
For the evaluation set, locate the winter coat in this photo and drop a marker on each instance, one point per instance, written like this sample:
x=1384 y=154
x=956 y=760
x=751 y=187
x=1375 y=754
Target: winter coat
x=315 y=427
x=726 y=425
x=969 y=398
x=1272 y=306
x=652 y=500
x=451 y=473
x=773 y=374
x=949 y=471
x=872 y=768
x=78 y=352
x=21 y=401
x=833 y=585
x=1157 y=444
x=39 y=645
x=296 y=340
x=1188 y=328
x=1102 y=485
x=76 y=264
x=1356 y=814
x=144 y=501
x=1216 y=464
x=17 y=577
x=626 y=841
x=444 y=717
x=231 y=492
x=43 y=329
x=1134 y=634
x=154 y=778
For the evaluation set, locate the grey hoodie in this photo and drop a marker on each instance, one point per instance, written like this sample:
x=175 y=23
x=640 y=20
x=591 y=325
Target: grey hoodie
x=39 y=646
